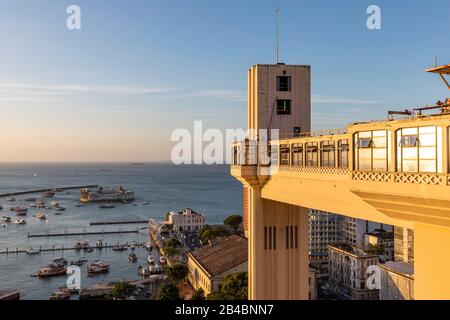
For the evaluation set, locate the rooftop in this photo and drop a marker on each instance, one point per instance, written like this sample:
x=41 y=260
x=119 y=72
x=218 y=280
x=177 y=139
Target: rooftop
x=222 y=255
x=351 y=250
x=399 y=267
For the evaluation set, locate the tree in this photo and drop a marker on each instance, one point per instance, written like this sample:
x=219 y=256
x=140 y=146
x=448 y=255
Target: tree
x=198 y=294
x=177 y=272
x=171 y=251
x=210 y=233
x=168 y=291
x=121 y=290
x=234 y=287
x=172 y=242
x=234 y=221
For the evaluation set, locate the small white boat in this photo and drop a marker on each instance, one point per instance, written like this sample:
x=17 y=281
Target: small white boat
x=162 y=259
x=6 y=219
x=4 y=225
x=20 y=221
x=32 y=252
x=54 y=204
x=150 y=260
x=41 y=216
x=11 y=199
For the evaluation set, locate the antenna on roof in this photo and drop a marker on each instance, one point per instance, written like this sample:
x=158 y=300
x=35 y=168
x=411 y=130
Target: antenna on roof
x=277 y=14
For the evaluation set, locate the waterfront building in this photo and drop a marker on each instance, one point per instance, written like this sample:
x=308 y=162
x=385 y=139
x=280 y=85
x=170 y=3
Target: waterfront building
x=324 y=228
x=396 y=281
x=404 y=244
x=393 y=171
x=210 y=264
x=186 y=220
x=383 y=241
x=347 y=275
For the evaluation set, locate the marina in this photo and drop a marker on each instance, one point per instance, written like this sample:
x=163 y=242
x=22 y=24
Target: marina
x=153 y=199
x=68 y=233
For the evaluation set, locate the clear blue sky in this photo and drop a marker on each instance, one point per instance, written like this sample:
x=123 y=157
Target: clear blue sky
x=116 y=89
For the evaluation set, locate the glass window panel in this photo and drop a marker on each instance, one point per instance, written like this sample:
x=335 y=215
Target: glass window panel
x=365 y=134
x=379 y=133
x=410 y=153
x=410 y=166
x=364 y=164
x=380 y=153
x=364 y=143
x=427 y=153
x=379 y=165
x=427 y=165
x=427 y=130
x=379 y=142
x=409 y=131
x=427 y=140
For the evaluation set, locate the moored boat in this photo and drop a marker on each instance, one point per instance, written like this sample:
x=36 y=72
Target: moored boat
x=20 y=221
x=47 y=194
x=20 y=211
x=132 y=257
x=106 y=206
x=150 y=259
x=97 y=267
x=162 y=259
x=6 y=219
x=41 y=216
x=30 y=251
x=119 y=248
x=56 y=268
x=11 y=199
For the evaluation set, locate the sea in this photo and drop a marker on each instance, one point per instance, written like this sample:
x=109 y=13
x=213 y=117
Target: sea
x=158 y=188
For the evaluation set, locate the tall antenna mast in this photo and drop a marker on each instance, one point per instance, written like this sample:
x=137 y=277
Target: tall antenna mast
x=277 y=10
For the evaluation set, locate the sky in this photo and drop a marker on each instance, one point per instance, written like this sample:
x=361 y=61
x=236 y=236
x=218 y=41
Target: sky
x=137 y=70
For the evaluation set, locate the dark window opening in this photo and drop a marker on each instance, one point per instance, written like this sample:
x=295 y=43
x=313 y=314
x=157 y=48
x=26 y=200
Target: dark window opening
x=283 y=107
x=284 y=83
x=297 y=132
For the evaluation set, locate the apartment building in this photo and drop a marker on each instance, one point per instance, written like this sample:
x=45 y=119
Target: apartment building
x=396 y=281
x=403 y=244
x=347 y=272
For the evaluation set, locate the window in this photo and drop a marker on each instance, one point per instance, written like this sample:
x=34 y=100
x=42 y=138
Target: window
x=418 y=150
x=311 y=154
x=297 y=132
x=371 y=152
x=297 y=154
x=283 y=107
x=284 y=83
x=343 y=148
x=327 y=154
x=274 y=157
x=284 y=155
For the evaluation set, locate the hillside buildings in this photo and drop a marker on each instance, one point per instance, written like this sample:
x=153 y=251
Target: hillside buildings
x=210 y=264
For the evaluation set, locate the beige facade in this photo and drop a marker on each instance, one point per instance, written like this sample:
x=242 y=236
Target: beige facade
x=186 y=220
x=210 y=264
x=396 y=281
x=394 y=172
x=347 y=275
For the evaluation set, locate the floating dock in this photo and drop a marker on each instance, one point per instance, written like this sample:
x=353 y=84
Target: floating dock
x=67 y=233
x=100 y=223
x=18 y=193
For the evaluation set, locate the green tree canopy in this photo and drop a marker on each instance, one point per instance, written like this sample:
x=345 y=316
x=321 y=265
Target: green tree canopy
x=234 y=221
x=198 y=294
x=209 y=233
x=177 y=272
x=171 y=251
x=234 y=287
x=172 y=242
x=168 y=291
x=121 y=290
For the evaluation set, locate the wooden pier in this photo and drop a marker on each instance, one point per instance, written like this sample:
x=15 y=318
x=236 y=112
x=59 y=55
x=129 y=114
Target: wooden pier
x=66 y=248
x=101 y=223
x=56 y=189
x=68 y=233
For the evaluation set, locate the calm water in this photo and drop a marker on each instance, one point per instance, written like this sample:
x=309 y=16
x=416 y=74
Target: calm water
x=207 y=189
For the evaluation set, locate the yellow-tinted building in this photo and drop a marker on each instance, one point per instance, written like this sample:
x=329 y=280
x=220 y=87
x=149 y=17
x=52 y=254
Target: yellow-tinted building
x=394 y=171
x=210 y=264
